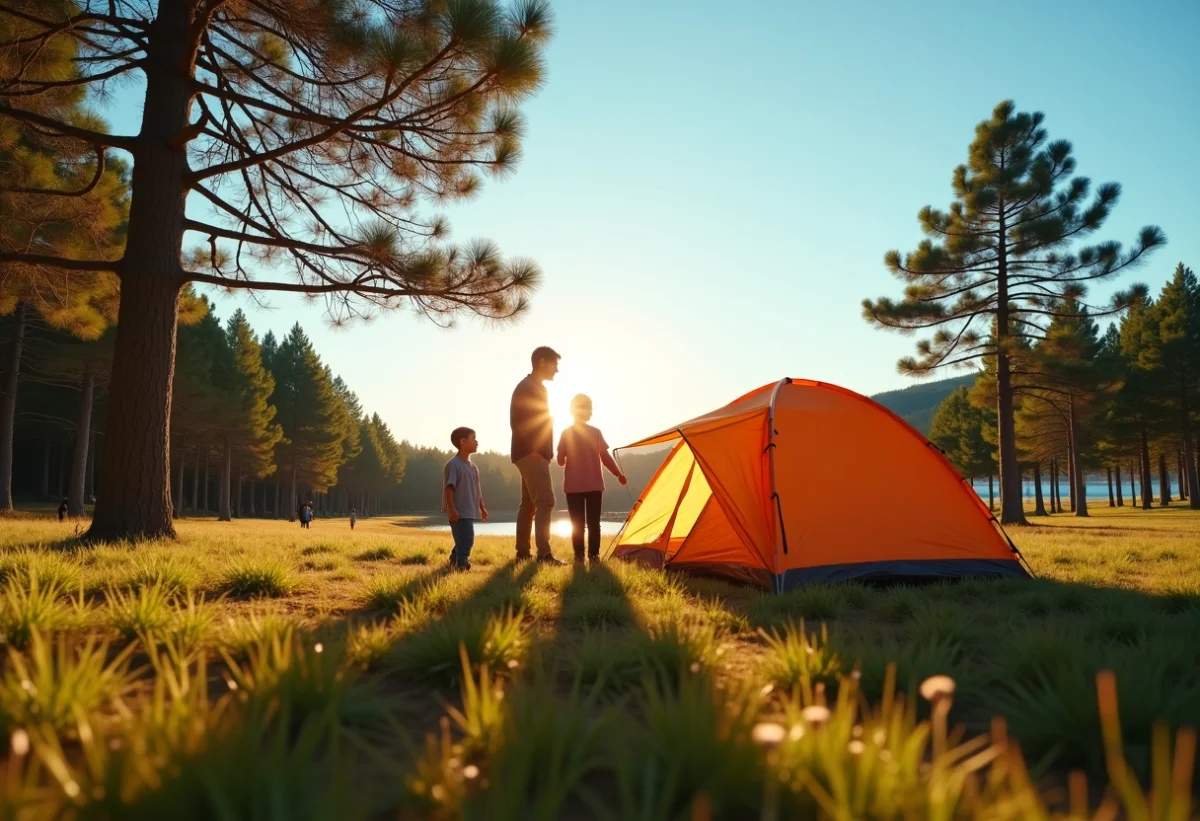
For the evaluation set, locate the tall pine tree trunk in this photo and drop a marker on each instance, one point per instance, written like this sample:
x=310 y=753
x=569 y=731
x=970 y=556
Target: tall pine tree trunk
x=91 y=470
x=293 y=502
x=1112 y=499
x=1117 y=483
x=204 y=497
x=1070 y=470
x=991 y=492
x=225 y=513
x=1133 y=491
x=1081 y=506
x=8 y=408
x=196 y=482
x=1164 y=481
x=45 y=489
x=1189 y=449
x=241 y=486
x=62 y=472
x=135 y=495
x=278 y=495
x=83 y=436
x=180 y=456
x=1147 y=490
x=1039 y=504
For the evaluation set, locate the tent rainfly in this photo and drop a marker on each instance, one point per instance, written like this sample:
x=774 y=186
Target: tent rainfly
x=803 y=481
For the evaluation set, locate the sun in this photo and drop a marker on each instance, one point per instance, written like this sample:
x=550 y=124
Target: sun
x=560 y=392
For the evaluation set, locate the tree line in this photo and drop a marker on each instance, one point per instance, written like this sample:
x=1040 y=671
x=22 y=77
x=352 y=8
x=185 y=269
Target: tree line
x=1119 y=403
x=258 y=427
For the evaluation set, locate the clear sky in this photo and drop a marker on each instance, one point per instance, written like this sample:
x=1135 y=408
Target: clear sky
x=710 y=190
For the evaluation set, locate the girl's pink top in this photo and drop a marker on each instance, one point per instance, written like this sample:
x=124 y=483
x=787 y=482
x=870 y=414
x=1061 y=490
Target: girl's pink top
x=581 y=449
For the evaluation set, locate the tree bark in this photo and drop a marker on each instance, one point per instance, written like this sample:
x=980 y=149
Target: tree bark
x=278 y=495
x=62 y=473
x=204 y=497
x=196 y=482
x=1112 y=499
x=1070 y=469
x=225 y=514
x=45 y=489
x=8 y=408
x=83 y=437
x=1164 y=482
x=179 y=457
x=1189 y=449
x=91 y=469
x=991 y=492
x=1133 y=491
x=1117 y=484
x=292 y=502
x=1053 y=485
x=1147 y=490
x=135 y=494
x=1080 y=487
x=1039 y=503
x=241 y=486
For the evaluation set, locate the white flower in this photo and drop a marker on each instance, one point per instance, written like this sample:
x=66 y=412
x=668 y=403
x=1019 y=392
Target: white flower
x=815 y=714
x=19 y=743
x=937 y=687
x=768 y=733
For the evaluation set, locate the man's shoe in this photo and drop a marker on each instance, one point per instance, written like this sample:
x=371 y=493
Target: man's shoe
x=594 y=558
x=550 y=559
x=524 y=557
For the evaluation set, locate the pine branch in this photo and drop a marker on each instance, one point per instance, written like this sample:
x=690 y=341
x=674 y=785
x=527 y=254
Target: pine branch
x=62 y=129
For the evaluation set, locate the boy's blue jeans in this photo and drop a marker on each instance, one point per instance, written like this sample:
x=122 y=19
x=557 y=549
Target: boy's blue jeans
x=463 y=532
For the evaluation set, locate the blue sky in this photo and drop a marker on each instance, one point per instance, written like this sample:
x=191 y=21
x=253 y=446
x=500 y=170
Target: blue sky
x=710 y=191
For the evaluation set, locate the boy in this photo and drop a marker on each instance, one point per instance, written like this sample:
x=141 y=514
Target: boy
x=353 y=517
x=462 y=498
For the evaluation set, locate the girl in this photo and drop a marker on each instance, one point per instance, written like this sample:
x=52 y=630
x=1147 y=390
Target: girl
x=581 y=449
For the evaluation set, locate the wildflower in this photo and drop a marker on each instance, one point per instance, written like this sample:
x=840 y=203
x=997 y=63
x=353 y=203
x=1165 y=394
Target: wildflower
x=936 y=688
x=19 y=743
x=768 y=733
x=815 y=714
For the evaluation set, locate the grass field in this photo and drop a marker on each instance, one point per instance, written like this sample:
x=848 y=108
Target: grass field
x=257 y=670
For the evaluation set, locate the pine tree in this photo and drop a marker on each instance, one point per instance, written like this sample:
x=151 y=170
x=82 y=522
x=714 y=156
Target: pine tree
x=311 y=414
x=1063 y=372
x=58 y=196
x=247 y=431
x=958 y=430
x=1169 y=354
x=995 y=264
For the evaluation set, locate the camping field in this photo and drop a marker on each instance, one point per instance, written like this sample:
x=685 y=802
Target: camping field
x=257 y=670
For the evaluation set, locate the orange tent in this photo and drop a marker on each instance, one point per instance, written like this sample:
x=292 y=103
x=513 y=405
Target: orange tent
x=802 y=481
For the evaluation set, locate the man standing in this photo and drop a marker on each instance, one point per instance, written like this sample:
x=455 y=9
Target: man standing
x=532 y=452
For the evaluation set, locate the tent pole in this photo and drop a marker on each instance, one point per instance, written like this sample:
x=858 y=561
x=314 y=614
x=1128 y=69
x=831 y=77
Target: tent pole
x=781 y=539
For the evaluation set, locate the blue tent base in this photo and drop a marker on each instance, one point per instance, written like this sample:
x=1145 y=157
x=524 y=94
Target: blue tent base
x=895 y=571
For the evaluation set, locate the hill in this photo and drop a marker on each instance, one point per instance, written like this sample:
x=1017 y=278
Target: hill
x=917 y=403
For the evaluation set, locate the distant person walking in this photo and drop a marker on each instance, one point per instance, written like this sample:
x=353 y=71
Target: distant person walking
x=532 y=452
x=306 y=515
x=353 y=517
x=62 y=510
x=581 y=451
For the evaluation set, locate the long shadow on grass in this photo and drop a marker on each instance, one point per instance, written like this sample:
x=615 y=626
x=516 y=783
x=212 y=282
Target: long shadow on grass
x=1028 y=650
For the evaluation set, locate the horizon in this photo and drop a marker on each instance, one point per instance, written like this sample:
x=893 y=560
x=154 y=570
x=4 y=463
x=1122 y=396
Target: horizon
x=800 y=176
